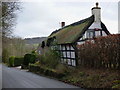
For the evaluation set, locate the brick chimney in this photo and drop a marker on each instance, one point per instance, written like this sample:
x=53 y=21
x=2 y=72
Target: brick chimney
x=62 y=24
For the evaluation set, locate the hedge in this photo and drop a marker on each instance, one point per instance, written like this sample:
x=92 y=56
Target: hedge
x=29 y=58
x=18 y=61
x=45 y=71
x=11 y=61
x=104 y=52
x=15 y=61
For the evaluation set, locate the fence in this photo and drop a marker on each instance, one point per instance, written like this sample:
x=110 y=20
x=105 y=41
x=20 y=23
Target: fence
x=103 y=53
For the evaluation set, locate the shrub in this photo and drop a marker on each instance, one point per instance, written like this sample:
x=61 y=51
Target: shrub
x=15 y=61
x=45 y=71
x=18 y=61
x=26 y=59
x=33 y=68
x=50 y=59
x=5 y=55
x=62 y=69
x=32 y=58
x=11 y=61
x=104 y=53
x=116 y=84
x=37 y=63
x=29 y=58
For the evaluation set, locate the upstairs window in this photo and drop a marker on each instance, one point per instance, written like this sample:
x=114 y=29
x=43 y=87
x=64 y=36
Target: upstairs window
x=97 y=33
x=90 y=34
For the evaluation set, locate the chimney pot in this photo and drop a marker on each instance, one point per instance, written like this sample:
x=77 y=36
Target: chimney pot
x=97 y=4
x=62 y=24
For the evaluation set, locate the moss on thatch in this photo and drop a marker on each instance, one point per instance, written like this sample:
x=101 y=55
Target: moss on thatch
x=70 y=33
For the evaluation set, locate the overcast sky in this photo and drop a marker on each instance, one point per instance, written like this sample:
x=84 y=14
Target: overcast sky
x=39 y=19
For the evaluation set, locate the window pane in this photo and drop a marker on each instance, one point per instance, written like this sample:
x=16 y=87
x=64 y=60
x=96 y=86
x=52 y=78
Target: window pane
x=97 y=33
x=88 y=34
x=91 y=34
x=69 y=62
x=73 y=63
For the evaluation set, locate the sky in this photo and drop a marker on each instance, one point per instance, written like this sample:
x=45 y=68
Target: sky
x=40 y=19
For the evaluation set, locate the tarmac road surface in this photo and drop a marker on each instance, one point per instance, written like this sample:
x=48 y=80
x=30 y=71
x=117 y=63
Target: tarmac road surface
x=16 y=78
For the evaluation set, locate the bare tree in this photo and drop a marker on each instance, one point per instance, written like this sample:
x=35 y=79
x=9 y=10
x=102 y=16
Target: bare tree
x=9 y=17
x=8 y=21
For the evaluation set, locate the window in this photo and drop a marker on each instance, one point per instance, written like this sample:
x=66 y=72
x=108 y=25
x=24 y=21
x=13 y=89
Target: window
x=72 y=54
x=68 y=54
x=97 y=33
x=73 y=63
x=90 y=34
x=64 y=54
x=69 y=62
x=84 y=36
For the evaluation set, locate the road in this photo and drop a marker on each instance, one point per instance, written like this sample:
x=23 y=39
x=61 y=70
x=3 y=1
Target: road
x=15 y=78
x=0 y=76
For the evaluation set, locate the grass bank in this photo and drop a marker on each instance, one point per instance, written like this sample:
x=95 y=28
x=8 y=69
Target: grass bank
x=82 y=77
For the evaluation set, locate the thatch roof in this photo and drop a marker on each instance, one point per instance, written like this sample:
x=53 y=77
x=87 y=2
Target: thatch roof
x=70 y=33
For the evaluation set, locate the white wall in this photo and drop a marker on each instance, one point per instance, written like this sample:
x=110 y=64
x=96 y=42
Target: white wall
x=68 y=54
x=97 y=20
x=103 y=33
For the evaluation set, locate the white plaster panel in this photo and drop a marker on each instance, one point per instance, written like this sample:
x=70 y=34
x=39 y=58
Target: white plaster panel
x=69 y=62
x=63 y=47
x=65 y=60
x=60 y=47
x=68 y=48
x=68 y=54
x=62 y=60
x=72 y=54
x=73 y=63
x=64 y=54
x=95 y=25
x=97 y=33
x=103 y=33
x=82 y=42
x=72 y=48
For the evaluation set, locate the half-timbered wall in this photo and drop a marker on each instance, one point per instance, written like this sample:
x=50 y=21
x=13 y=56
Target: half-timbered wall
x=89 y=34
x=67 y=53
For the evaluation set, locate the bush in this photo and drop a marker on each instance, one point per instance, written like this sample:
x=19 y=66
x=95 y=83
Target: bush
x=32 y=58
x=5 y=56
x=62 y=69
x=104 y=53
x=18 y=61
x=29 y=58
x=116 y=84
x=26 y=59
x=45 y=71
x=24 y=67
x=15 y=61
x=37 y=63
x=11 y=61
x=50 y=59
